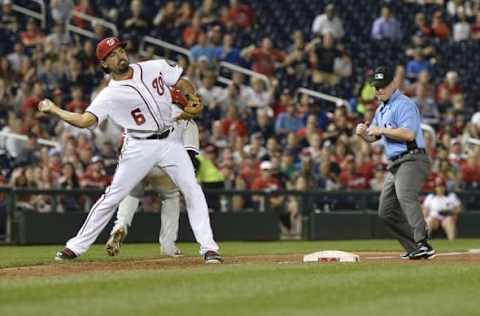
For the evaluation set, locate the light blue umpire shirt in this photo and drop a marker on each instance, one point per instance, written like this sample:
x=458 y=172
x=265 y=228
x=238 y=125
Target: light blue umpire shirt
x=399 y=112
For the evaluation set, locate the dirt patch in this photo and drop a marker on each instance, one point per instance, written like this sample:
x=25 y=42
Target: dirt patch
x=82 y=267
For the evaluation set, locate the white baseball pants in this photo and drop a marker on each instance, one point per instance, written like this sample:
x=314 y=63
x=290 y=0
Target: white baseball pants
x=135 y=161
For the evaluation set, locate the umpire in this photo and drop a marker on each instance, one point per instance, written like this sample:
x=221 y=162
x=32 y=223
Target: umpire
x=397 y=124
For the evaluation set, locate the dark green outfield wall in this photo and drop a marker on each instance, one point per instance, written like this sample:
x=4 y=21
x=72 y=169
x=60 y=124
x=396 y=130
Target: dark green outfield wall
x=51 y=228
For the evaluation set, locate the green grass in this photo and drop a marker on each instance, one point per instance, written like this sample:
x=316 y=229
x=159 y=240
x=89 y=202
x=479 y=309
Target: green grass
x=367 y=288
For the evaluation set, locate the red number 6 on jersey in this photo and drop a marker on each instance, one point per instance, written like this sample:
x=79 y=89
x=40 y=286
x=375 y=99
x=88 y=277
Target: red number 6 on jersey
x=138 y=116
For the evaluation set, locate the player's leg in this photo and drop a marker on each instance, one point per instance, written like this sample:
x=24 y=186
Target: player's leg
x=169 y=228
x=179 y=167
x=126 y=210
x=135 y=161
x=389 y=211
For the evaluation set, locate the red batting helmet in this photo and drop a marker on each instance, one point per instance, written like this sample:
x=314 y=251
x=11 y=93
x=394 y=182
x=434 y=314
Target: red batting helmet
x=107 y=45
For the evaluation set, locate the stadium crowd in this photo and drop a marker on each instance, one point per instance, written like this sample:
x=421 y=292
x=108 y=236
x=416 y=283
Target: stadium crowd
x=253 y=135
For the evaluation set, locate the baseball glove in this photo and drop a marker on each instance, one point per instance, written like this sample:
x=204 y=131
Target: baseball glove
x=190 y=104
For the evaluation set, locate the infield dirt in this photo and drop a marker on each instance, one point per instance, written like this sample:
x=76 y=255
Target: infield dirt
x=85 y=267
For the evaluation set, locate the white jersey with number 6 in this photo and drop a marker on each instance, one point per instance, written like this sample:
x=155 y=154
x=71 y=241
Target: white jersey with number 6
x=144 y=99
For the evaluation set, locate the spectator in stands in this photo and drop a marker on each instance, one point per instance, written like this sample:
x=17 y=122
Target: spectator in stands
x=471 y=171
x=32 y=35
x=19 y=180
x=165 y=22
x=233 y=98
x=423 y=29
x=461 y=28
x=427 y=106
x=203 y=48
x=328 y=22
x=322 y=55
x=210 y=93
x=77 y=104
x=69 y=180
x=228 y=52
x=17 y=57
x=30 y=153
x=239 y=15
x=376 y=183
x=84 y=7
x=262 y=96
x=342 y=65
x=263 y=124
x=296 y=62
x=456 y=7
x=59 y=38
x=210 y=176
x=184 y=15
x=8 y=18
x=475 y=27
x=95 y=175
x=61 y=10
x=192 y=32
x=208 y=12
x=14 y=147
x=265 y=58
x=99 y=30
x=416 y=65
x=350 y=178
x=448 y=89
x=386 y=27
x=288 y=121
x=136 y=23
x=232 y=123
x=31 y=103
x=234 y=182
x=441 y=209
x=423 y=80
x=439 y=27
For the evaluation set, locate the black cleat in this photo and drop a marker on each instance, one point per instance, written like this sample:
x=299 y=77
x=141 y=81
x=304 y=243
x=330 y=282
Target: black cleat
x=423 y=251
x=64 y=255
x=212 y=257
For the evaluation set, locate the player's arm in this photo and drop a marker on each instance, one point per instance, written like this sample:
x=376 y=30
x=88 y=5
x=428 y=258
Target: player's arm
x=81 y=120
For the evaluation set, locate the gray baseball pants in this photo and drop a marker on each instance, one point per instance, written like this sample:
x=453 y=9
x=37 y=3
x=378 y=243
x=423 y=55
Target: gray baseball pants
x=399 y=207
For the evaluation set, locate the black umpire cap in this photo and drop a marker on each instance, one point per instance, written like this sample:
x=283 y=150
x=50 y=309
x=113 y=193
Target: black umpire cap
x=382 y=77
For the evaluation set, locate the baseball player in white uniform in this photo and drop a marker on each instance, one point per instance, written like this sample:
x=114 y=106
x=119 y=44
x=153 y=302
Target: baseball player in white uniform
x=187 y=132
x=138 y=99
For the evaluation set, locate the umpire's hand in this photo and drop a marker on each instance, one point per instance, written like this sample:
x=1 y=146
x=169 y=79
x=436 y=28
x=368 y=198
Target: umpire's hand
x=361 y=129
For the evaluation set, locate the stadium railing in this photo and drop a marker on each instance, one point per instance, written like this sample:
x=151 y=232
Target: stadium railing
x=42 y=15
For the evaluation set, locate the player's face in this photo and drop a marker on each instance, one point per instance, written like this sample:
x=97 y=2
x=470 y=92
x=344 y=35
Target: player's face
x=117 y=61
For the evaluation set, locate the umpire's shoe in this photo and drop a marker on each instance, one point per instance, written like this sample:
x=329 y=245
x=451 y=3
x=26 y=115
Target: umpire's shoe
x=423 y=251
x=64 y=255
x=212 y=257
x=115 y=241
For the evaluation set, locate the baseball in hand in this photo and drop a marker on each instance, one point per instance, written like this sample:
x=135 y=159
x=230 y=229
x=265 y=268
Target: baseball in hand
x=46 y=106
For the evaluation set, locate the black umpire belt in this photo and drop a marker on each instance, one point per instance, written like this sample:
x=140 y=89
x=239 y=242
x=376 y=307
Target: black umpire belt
x=161 y=135
x=409 y=152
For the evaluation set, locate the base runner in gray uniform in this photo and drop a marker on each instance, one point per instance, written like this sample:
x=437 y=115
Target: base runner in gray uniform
x=397 y=124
